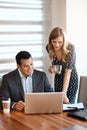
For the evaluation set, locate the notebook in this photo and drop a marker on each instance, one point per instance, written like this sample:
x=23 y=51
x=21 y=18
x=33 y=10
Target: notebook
x=81 y=114
x=37 y=103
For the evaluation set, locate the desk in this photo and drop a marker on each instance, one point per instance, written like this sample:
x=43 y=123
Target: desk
x=19 y=121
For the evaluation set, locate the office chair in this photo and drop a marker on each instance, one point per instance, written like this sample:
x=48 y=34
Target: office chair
x=82 y=94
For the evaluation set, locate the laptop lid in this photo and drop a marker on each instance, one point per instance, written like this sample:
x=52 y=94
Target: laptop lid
x=81 y=114
x=36 y=103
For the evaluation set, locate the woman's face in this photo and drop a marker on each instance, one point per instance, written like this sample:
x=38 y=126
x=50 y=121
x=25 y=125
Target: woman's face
x=57 y=43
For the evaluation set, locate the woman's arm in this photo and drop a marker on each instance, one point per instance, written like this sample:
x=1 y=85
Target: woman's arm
x=66 y=84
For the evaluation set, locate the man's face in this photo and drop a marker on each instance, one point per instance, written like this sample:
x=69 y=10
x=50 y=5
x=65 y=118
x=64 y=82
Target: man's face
x=26 y=67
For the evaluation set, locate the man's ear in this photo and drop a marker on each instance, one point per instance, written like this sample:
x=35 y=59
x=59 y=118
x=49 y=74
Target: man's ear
x=18 y=66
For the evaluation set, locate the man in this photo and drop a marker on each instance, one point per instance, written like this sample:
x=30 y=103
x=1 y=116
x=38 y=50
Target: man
x=22 y=80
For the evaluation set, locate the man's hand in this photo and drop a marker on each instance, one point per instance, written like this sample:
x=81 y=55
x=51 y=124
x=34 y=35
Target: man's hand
x=19 y=106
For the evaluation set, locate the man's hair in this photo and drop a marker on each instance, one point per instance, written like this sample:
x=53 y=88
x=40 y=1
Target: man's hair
x=22 y=55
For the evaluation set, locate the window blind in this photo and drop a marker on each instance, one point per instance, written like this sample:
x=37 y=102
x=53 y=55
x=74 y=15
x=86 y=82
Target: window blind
x=21 y=28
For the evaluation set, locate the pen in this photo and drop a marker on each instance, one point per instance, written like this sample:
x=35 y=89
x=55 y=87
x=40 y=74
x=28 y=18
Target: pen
x=73 y=107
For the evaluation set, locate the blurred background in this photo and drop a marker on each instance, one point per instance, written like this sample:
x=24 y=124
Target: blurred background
x=26 y=24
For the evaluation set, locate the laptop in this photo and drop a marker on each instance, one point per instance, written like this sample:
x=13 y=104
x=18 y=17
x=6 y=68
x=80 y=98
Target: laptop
x=80 y=114
x=37 y=103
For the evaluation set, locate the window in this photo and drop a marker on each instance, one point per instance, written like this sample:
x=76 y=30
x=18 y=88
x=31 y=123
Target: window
x=22 y=27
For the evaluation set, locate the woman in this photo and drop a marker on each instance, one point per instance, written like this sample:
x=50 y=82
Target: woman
x=62 y=53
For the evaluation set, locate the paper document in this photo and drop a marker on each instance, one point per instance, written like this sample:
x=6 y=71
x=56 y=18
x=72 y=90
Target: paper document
x=76 y=106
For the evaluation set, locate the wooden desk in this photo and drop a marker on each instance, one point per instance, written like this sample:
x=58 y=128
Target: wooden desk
x=19 y=121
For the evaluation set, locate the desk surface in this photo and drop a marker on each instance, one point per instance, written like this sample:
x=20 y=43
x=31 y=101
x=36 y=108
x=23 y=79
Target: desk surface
x=19 y=121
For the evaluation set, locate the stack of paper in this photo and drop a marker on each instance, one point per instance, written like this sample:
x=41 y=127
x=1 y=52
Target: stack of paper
x=76 y=106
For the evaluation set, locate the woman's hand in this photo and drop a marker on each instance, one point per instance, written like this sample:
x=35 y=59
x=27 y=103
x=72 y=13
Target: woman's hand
x=19 y=106
x=51 y=69
x=65 y=99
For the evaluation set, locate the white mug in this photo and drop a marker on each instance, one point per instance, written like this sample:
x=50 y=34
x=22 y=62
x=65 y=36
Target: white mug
x=57 y=69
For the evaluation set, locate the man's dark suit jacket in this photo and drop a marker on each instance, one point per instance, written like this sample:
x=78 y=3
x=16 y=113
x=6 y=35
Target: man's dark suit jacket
x=12 y=87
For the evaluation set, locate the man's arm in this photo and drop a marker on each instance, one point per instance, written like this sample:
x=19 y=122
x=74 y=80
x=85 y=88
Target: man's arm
x=4 y=92
x=48 y=87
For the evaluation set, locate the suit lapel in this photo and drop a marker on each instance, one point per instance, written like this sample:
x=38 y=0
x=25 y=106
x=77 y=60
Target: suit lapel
x=34 y=81
x=18 y=82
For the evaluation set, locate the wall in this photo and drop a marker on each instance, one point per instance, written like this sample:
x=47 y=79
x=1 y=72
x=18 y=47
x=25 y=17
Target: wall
x=77 y=31
x=58 y=13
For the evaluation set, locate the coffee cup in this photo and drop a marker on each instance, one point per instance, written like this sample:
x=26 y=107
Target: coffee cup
x=6 y=105
x=57 y=69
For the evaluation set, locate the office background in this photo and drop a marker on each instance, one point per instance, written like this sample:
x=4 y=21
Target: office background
x=26 y=25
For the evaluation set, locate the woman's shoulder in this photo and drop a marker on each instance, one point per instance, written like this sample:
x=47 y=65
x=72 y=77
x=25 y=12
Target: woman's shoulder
x=47 y=48
x=71 y=46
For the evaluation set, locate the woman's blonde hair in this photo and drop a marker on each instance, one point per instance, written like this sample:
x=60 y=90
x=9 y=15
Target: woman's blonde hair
x=55 y=33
